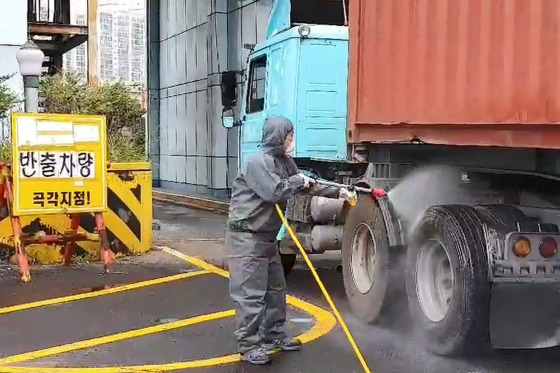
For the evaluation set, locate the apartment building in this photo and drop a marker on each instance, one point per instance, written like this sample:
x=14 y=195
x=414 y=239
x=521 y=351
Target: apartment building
x=121 y=35
x=76 y=59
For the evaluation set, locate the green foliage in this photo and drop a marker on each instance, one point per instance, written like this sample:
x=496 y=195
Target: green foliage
x=5 y=152
x=121 y=149
x=66 y=93
x=8 y=98
x=63 y=93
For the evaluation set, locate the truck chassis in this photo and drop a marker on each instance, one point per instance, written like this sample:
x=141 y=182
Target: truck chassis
x=474 y=273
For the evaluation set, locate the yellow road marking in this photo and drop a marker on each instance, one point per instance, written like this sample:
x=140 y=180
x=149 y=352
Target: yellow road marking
x=72 y=298
x=195 y=261
x=324 y=323
x=114 y=338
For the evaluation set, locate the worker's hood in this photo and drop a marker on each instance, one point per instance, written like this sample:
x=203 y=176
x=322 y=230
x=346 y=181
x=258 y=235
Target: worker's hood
x=274 y=133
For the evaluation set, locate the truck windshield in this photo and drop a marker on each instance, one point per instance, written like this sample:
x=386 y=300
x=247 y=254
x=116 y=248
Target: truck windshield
x=320 y=12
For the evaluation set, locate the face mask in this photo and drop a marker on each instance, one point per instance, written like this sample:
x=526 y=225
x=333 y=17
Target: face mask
x=291 y=147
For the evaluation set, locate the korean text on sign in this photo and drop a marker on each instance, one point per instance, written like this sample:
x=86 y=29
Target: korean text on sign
x=57 y=164
x=68 y=198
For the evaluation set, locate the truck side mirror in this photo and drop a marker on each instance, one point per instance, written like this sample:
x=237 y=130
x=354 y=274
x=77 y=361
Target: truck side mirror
x=228 y=118
x=229 y=88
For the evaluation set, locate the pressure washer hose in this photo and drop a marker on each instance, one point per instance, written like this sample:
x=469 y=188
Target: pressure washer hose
x=325 y=293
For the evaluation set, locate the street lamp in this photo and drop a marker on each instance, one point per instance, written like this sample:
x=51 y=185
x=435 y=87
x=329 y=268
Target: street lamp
x=30 y=59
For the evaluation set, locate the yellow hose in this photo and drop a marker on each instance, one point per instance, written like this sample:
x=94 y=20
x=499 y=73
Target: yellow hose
x=325 y=293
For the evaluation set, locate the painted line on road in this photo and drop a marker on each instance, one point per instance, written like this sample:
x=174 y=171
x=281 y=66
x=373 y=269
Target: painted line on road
x=324 y=323
x=195 y=261
x=70 y=347
x=118 y=289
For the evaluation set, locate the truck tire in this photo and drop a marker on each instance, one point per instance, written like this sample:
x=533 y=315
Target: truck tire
x=365 y=281
x=288 y=263
x=503 y=214
x=446 y=280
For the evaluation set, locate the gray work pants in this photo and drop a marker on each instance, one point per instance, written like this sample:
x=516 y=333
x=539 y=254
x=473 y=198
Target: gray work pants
x=258 y=287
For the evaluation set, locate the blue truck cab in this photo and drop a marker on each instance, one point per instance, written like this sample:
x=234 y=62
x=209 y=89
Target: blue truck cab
x=300 y=71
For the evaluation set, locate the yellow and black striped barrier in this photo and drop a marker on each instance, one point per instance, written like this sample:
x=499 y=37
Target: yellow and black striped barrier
x=128 y=220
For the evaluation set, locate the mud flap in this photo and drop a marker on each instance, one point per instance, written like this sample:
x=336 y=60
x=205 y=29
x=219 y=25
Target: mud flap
x=525 y=316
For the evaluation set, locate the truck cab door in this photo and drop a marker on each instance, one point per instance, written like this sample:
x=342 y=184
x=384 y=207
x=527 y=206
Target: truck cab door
x=254 y=107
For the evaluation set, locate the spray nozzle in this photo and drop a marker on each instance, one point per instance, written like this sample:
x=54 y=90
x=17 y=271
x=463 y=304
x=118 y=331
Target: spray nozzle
x=379 y=193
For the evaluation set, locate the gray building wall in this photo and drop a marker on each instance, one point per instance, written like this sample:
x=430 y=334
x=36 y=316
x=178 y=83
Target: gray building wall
x=192 y=42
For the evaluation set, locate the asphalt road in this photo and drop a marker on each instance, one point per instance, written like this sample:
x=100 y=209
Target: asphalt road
x=190 y=294
x=388 y=349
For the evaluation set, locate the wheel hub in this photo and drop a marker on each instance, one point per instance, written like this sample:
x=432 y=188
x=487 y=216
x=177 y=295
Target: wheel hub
x=434 y=280
x=363 y=260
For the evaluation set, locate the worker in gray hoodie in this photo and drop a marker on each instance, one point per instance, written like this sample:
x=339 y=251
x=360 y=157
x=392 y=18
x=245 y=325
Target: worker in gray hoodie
x=257 y=283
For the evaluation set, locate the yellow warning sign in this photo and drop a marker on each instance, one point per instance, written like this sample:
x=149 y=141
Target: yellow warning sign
x=59 y=163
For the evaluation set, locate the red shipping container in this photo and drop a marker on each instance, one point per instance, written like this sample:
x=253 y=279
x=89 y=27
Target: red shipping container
x=463 y=72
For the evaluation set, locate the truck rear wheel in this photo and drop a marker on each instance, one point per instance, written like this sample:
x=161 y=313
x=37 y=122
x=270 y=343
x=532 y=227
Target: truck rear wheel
x=446 y=280
x=365 y=259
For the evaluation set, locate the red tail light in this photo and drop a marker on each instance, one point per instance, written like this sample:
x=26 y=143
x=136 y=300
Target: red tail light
x=548 y=247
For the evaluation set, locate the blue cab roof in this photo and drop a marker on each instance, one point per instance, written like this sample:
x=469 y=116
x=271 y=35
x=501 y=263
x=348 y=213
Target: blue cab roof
x=317 y=32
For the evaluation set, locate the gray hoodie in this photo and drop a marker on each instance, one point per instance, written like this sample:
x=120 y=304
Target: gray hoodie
x=269 y=177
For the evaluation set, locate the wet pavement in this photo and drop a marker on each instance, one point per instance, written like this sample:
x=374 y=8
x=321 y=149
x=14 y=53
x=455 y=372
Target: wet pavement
x=158 y=310
x=164 y=312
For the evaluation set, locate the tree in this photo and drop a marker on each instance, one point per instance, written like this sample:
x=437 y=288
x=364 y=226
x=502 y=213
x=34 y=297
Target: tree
x=66 y=93
x=8 y=98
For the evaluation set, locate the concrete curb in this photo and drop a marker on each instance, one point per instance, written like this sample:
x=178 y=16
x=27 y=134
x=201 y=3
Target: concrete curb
x=193 y=202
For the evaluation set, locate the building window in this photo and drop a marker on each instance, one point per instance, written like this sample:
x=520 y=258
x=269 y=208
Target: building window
x=257 y=83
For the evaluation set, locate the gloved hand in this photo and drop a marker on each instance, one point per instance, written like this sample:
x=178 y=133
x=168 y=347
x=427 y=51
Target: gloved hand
x=350 y=196
x=307 y=181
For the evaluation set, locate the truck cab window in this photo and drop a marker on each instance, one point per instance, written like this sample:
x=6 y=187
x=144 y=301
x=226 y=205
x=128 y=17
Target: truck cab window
x=319 y=12
x=257 y=81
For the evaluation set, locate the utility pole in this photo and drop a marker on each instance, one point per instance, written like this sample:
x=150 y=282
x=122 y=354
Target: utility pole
x=92 y=63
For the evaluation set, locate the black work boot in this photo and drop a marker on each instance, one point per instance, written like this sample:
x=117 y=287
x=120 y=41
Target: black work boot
x=283 y=344
x=256 y=356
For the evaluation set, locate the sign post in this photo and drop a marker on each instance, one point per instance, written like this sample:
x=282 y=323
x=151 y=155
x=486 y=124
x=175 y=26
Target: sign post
x=59 y=166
